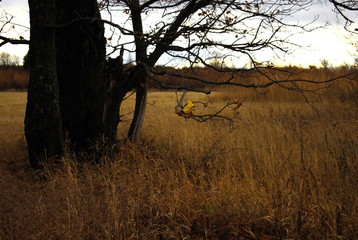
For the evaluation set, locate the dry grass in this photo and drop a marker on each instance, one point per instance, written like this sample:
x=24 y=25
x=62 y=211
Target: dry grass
x=344 y=89
x=287 y=171
x=13 y=78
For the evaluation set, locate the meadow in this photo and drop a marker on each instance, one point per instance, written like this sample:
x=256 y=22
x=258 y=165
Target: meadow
x=285 y=170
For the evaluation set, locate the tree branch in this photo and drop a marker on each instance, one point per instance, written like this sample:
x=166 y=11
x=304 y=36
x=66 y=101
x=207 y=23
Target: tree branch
x=6 y=40
x=165 y=86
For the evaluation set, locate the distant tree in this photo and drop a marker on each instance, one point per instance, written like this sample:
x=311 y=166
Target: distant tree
x=325 y=63
x=7 y=59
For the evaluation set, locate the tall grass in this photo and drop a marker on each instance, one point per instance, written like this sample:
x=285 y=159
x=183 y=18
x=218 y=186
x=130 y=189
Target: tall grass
x=286 y=171
x=344 y=88
x=17 y=78
x=13 y=78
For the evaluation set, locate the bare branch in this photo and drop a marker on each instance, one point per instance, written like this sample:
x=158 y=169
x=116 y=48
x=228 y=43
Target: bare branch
x=349 y=5
x=6 y=40
x=187 y=110
x=165 y=86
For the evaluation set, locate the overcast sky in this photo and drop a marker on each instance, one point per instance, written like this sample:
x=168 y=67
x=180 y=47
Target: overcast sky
x=332 y=43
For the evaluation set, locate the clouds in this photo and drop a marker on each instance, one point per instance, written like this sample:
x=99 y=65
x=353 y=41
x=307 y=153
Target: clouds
x=330 y=43
x=19 y=10
x=12 y=3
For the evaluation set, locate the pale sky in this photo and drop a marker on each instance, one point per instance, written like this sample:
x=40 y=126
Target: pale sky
x=332 y=43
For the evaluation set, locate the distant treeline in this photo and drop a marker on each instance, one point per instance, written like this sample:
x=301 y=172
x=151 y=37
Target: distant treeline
x=343 y=88
x=17 y=77
x=13 y=78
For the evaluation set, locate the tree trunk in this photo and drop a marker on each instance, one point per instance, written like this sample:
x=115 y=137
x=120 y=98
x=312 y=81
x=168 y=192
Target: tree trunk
x=113 y=98
x=121 y=84
x=82 y=73
x=43 y=119
x=141 y=57
x=139 y=112
x=111 y=118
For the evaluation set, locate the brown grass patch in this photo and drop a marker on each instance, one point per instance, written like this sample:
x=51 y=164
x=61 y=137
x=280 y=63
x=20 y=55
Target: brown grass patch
x=287 y=171
x=13 y=78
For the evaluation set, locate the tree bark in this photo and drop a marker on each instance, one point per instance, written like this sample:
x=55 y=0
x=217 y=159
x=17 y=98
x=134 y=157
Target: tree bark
x=139 y=112
x=123 y=81
x=114 y=96
x=43 y=128
x=82 y=73
x=140 y=76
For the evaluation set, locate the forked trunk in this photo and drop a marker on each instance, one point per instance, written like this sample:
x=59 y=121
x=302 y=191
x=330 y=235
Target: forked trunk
x=113 y=98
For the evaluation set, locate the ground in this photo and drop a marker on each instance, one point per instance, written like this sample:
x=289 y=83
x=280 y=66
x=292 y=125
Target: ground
x=286 y=170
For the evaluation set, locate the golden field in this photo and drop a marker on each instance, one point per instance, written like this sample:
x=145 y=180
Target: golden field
x=286 y=170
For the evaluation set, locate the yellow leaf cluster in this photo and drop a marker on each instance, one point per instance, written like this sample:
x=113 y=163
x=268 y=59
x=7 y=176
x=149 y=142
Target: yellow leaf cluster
x=188 y=107
x=187 y=110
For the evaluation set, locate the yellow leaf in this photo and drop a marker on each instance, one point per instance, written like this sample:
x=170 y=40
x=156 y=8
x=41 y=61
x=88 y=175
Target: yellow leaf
x=188 y=107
